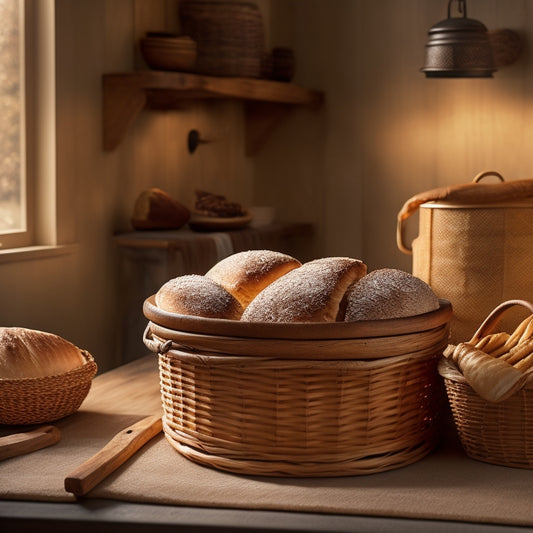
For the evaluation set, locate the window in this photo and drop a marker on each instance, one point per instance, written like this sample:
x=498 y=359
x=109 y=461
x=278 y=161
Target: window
x=28 y=181
x=14 y=227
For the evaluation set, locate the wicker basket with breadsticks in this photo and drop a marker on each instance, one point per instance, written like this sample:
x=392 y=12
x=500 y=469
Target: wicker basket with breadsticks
x=489 y=382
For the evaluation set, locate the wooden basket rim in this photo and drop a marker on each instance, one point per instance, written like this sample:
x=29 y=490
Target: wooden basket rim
x=298 y=330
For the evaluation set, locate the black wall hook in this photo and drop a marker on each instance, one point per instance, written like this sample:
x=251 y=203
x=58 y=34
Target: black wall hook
x=193 y=140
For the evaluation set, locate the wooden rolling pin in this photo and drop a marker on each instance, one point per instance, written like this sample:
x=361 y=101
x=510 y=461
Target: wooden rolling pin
x=28 y=441
x=116 y=452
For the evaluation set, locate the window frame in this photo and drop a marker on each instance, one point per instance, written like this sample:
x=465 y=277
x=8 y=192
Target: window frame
x=23 y=235
x=39 y=121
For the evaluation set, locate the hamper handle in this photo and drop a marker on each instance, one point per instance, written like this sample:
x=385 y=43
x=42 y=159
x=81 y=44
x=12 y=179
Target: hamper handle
x=155 y=345
x=486 y=173
x=473 y=193
x=490 y=323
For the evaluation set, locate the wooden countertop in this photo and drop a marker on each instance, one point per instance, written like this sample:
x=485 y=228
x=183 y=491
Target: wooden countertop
x=158 y=488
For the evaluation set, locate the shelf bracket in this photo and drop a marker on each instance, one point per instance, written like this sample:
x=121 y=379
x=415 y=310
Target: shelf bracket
x=261 y=118
x=122 y=102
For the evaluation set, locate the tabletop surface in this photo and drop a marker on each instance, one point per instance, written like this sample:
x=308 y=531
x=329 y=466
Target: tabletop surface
x=159 y=488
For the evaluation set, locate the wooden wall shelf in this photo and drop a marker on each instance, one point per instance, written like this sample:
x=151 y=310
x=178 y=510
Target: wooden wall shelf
x=267 y=102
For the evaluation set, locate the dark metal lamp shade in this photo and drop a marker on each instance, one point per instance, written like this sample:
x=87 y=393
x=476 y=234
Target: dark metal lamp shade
x=459 y=47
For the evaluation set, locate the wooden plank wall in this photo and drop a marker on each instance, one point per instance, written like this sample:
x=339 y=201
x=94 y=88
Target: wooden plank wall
x=385 y=133
x=388 y=132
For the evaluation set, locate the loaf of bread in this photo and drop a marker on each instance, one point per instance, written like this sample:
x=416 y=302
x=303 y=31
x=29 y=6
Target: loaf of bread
x=310 y=293
x=198 y=296
x=246 y=274
x=29 y=353
x=155 y=209
x=389 y=293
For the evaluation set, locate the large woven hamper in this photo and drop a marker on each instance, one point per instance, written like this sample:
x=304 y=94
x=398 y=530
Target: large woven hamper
x=499 y=433
x=474 y=246
x=300 y=399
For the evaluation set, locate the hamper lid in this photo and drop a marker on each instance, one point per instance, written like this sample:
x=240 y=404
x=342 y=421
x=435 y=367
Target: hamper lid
x=516 y=193
x=526 y=202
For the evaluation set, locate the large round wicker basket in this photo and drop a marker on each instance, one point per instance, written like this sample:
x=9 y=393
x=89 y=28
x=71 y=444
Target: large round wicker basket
x=300 y=399
x=26 y=401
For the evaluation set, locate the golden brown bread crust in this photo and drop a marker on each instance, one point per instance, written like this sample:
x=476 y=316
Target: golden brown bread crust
x=155 y=209
x=28 y=353
x=311 y=293
x=198 y=296
x=246 y=274
x=389 y=293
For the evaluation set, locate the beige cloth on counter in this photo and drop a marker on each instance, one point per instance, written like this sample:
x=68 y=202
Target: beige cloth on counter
x=445 y=485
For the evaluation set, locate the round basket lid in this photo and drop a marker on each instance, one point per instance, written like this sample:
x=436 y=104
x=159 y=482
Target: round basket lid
x=297 y=330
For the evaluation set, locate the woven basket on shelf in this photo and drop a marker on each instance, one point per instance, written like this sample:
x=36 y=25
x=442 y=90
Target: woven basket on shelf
x=300 y=399
x=499 y=433
x=45 y=399
x=229 y=35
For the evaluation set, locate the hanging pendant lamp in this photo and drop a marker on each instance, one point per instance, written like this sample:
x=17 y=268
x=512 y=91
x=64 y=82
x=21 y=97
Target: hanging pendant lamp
x=459 y=47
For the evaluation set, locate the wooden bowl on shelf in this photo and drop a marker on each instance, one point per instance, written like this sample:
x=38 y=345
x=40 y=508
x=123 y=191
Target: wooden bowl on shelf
x=169 y=52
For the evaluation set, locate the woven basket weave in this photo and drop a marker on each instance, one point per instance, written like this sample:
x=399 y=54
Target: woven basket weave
x=299 y=406
x=45 y=399
x=498 y=433
x=229 y=35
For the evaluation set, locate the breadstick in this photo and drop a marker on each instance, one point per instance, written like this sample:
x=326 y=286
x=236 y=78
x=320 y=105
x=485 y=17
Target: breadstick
x=521 y=328
x=514 y=338
x=492 y=342
x=519 y=352
x=528 y=332
x=525 y=363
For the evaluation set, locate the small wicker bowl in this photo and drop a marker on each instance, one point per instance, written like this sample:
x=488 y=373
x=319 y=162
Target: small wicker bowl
x=45 y=399
x=176 y=53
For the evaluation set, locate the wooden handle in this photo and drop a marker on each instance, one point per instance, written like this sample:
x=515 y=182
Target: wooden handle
x=28 y=441
x=119 y=449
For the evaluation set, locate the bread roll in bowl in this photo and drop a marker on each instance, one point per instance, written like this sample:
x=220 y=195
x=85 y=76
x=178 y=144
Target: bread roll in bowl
x=389 y=293
x=311 y=293
x=246 y=274
x=198 y=296
x=28 y=353
x=43 y=377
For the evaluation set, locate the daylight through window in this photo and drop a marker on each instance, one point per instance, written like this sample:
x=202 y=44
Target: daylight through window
x=12 y=202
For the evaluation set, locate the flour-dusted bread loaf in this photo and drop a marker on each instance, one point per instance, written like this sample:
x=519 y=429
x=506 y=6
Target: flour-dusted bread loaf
x=310 y=293
x=246 y=274
x=29 y=353
x=198 y=296
x=389 y=293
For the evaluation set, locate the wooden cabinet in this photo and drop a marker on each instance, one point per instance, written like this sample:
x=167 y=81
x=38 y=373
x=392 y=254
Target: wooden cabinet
x=266 y=102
